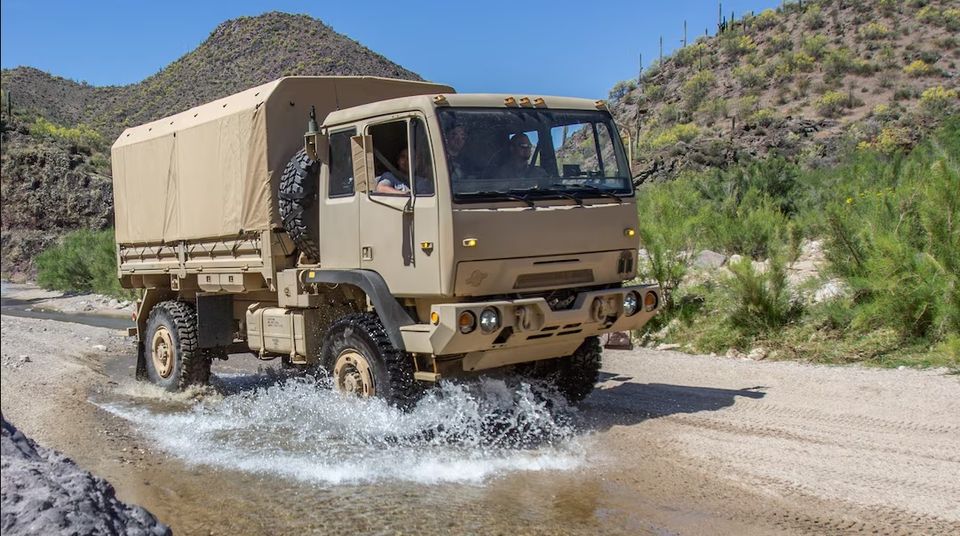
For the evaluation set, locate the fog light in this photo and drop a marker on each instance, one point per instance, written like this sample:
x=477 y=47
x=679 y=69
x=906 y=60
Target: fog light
x=467 y=322
x=631 y=303
x=489 y=320
x=650 y=301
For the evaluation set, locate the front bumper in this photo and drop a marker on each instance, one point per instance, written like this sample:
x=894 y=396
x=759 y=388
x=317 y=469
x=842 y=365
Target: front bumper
x=529 y=323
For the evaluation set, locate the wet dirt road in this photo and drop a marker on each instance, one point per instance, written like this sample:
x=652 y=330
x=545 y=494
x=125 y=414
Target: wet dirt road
x=668 y=444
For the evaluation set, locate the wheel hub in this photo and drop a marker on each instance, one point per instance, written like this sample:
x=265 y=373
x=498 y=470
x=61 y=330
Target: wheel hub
x=162 y=352
x=352 y=374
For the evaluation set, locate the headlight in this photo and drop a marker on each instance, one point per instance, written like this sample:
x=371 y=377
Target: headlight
x=489 y=320
x=631 y=303
x=467 y=322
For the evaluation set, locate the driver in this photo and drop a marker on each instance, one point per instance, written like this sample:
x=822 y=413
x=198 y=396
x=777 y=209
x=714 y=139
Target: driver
x=392 y=184
x=518 y=160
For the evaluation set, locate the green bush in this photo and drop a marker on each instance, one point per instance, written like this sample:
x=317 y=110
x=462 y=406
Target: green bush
x=895 y=237
x=684 y=132
x=761 y=300
x=82 y=136
x=696 y=88
x=83 y=261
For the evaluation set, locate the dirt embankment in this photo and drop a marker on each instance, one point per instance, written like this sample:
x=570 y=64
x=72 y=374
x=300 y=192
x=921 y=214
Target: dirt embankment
x=677 y=444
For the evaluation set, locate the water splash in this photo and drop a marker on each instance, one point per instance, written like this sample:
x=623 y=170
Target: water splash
x=293 y=428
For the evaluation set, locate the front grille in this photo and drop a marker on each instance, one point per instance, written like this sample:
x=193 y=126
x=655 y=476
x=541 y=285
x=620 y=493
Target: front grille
x=550 y=279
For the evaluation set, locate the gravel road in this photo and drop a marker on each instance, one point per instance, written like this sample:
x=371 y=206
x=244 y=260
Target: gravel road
x=677 y=444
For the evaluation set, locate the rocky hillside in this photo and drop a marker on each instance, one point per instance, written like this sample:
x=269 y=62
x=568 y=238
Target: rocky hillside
x=55 y=151
x=803 y=81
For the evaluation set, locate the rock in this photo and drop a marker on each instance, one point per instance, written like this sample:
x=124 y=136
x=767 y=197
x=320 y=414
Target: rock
x=707 y=259
x=760 y=266
x=831 y=290
x=99 y=347
x=668 y=347
x=734 y=259
x=757 y=354
x=734 y=353
x=44 y=492
x=24 y=359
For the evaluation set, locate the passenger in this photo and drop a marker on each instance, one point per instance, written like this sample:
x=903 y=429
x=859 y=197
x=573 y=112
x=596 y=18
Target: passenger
x=392 y=184
x=456 y=138
x=518 y=160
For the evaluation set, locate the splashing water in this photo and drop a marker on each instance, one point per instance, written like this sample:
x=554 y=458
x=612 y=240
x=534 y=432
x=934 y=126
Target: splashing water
x=295 y=429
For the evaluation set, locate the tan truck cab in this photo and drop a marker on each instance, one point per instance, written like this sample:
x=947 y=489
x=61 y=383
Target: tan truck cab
x=412 y=234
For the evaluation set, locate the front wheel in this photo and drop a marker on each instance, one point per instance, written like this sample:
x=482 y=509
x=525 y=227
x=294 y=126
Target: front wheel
x=358 y=355
x=574 y=375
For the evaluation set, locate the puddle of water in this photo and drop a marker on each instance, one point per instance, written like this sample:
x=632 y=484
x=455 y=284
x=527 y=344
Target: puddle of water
x=295 y=429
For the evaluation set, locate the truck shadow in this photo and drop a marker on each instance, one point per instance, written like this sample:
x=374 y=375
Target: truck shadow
x=617 y=401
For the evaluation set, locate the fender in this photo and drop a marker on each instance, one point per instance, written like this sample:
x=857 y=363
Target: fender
x=391 y=313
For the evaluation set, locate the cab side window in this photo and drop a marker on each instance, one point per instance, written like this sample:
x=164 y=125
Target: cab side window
x=341 y=164
x=401 y=151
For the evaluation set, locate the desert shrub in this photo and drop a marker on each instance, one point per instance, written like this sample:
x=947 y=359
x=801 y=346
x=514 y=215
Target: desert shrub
x=81 y=135
x=815 y=45
x=763 y=117
x=767 y=18
x=715 y=108
x=778 y=43
x=83 y=261
x=895 y=238
x=621 y=89
x=833 y=103
x=653 y=92
x=761 y=300
x=874 y=31
x=749 y=77
x=939 y=100
x=684 y=132
x=746 y=106
x=735 y=45
x=951 y=19
x=696 y=88
x=690 y=54
x=813 y=19
x=668 y=231
x=885 y=112
x=918 y=68
x=837 y=62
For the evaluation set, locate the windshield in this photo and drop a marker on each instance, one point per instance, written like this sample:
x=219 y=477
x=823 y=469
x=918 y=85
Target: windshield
x=528 y=154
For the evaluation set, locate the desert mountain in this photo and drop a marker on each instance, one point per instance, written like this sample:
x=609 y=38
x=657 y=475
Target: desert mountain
x=55 y=157
x=803 y=81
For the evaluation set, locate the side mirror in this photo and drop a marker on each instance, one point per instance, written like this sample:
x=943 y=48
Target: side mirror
x=316 y=146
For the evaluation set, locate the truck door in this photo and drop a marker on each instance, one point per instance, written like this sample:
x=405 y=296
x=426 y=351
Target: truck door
x=399 y=228
x=340 y=209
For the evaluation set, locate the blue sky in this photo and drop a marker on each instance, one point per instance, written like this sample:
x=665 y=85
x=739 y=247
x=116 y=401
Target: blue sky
x=554 y=47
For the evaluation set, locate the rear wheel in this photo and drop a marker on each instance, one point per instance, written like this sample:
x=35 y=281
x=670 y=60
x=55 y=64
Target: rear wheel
x=574 y=375
x=361 y=361
x=173 y=360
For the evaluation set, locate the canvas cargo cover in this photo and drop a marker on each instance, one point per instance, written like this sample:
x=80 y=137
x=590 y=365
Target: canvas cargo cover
x=213 y=171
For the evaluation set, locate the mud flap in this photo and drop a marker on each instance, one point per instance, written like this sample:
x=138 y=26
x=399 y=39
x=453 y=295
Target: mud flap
x=141 y=373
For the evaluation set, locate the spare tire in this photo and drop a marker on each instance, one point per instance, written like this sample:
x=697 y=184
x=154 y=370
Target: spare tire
x=298 y=194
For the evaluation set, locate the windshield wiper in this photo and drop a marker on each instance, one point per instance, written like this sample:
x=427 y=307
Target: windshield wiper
x=601 y=192
x=480 y=196
x=548 y=192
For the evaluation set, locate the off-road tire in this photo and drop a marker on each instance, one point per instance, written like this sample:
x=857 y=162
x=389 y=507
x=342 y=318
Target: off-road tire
x=191 y=365
x=575 y=375
x=298 y=193
x=392 y=369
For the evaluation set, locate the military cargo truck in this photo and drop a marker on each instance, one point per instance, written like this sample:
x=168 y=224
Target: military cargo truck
x=410 y=234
